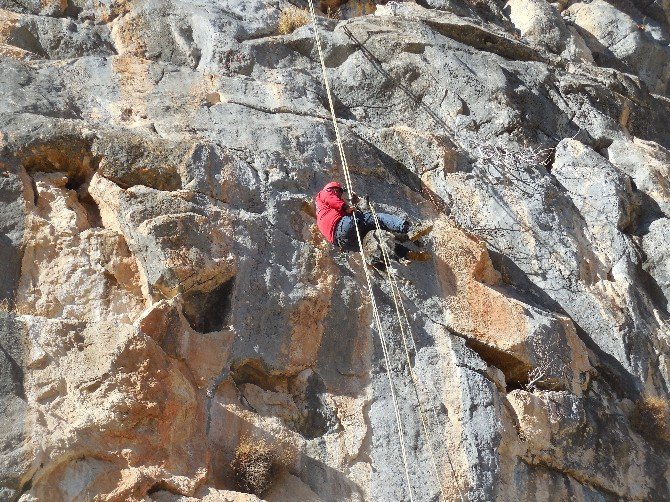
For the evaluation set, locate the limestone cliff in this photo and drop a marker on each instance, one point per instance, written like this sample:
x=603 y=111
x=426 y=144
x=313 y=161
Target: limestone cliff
x=173 y=324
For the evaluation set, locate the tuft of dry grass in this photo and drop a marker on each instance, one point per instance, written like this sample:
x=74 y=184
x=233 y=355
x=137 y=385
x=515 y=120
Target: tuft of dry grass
x=291 y=19
x=651 y=418
x=256 y=465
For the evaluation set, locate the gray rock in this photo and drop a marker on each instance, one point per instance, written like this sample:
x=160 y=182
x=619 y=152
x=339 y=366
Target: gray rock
x=53 y=38
x=630 y=42
x=655 y=246
x=178 y=146
x=11 y=233
x=16 y=450
x=542 y=26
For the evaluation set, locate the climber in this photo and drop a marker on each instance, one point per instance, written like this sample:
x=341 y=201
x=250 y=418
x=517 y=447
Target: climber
x=336 y=220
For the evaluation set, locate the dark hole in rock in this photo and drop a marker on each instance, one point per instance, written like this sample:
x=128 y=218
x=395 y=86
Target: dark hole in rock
x=317 y=417
x=79 y=183
x=72 y=10
x=255 y=371
x=209 y=311
x=515 y=371
x=71 y=156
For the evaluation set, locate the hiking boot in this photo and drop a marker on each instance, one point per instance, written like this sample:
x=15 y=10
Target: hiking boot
x=418 y=230
x=417 y=256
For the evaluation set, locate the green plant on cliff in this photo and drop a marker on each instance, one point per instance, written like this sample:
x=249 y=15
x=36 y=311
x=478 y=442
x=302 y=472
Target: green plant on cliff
x=255 y=466
x=291 y=19
x=651 y=418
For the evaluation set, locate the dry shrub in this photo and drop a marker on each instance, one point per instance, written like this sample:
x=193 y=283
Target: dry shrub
x=651 y=418
x=4 y=305
x=256 y=465
x=291 y=19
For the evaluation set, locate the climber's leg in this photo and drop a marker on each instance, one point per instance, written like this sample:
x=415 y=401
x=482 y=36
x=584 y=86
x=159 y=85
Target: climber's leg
x=387 y=222
x=345 y=234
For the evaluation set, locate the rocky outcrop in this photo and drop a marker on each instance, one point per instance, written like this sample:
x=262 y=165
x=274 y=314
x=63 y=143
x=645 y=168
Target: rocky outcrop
x=167 y=297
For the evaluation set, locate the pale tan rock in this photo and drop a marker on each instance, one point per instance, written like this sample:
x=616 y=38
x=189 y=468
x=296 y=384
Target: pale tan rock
x=648 y=163
x=551 y=425
x=625 y=40
x=497 y=324
x=192 y=301
x=95 y=428
x=214 y=495
x=70 y=268
x=542 y=26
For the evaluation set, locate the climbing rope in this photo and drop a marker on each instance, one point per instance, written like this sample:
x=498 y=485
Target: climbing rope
x=399 y=304
x=391 y=280
x=375 y=310
x=397 y=299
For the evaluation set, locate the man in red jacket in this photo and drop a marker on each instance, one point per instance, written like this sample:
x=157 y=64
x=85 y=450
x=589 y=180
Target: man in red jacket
x=337 y=219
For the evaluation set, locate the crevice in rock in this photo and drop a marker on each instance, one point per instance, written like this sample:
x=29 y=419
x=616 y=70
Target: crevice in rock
x=209 y=311
x=79 y=183
x=68 y=154
x=574 y=474
x=72 y=157
x=650 y=286
x=164 y=486
x=72 y=10
x=515 y=371
x=486 y=41
x=16 y=372
x=27 y=486
x=255 y=371
x=644 y=212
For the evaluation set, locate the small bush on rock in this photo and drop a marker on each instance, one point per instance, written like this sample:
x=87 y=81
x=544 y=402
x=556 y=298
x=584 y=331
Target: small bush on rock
x=651 y=418
x=291 y=19
x=255 y=466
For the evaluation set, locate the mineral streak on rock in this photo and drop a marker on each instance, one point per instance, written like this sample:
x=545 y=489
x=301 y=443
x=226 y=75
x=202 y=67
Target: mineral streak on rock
x=165 y=295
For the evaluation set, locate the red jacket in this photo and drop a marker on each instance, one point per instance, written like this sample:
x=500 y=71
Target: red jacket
x=329 y=210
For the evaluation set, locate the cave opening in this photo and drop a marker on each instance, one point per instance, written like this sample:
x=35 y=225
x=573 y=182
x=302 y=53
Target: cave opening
x=208 y=311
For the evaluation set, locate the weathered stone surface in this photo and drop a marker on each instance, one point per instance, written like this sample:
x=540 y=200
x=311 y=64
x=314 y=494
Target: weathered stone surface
x=655 y=245
x=623 y=39
x=47 y=37
x=89 y=376
x=648 y=164
x=541 y=25
x=11 y=233
x=168 y=293
x=556 y=431
x=16 y=450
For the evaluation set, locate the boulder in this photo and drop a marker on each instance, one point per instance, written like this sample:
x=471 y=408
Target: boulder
x=655 y=246
x=542 y=26
x=631 y=42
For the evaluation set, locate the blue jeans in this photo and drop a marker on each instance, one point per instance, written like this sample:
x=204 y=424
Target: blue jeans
x=345 y=231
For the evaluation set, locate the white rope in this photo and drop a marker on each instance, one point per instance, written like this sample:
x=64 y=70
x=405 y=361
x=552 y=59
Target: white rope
x=375 y=310
x=397 y=300
x=432 y=408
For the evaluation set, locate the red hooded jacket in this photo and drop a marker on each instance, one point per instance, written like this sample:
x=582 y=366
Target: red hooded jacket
x=329 y=210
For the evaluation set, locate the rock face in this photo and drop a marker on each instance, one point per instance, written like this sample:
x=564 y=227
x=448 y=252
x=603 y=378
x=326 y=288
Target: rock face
x=166 y=295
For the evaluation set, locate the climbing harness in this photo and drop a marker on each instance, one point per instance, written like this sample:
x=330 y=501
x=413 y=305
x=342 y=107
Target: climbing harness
x=397 y=299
